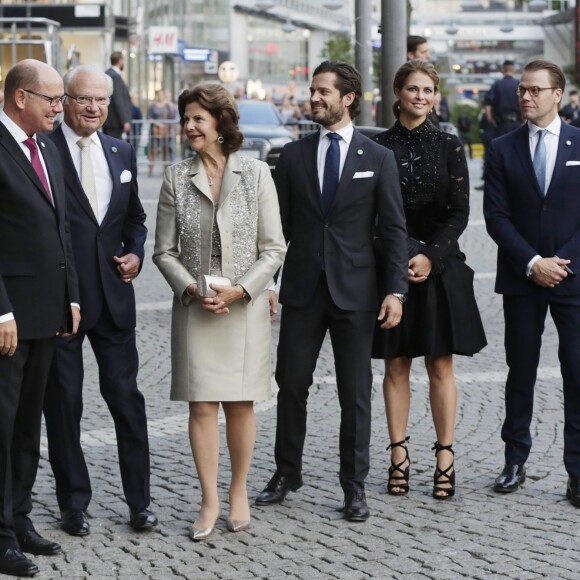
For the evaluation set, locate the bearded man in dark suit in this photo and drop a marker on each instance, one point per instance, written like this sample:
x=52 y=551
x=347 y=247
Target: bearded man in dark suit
x=334 y=187
x=38 y=284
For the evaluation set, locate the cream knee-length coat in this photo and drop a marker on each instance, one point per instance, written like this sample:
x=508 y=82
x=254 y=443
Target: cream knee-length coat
x=220 y=357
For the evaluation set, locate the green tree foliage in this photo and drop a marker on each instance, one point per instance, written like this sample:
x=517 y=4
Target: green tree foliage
x=338 y=48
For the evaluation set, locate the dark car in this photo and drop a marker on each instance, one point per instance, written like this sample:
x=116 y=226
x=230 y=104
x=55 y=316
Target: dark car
x=264 y=131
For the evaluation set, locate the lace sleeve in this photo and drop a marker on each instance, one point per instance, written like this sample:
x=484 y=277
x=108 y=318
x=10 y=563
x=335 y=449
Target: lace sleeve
x=456 y=215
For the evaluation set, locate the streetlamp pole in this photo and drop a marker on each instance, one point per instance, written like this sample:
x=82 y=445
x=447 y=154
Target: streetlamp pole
x=363 y=53
x=393 y=53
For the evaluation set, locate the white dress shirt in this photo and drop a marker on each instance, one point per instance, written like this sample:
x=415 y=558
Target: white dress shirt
x=103 y=180
x=551 y=139
x=324 y=144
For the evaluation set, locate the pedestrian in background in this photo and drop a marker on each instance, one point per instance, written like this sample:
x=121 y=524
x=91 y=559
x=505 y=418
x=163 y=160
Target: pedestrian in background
x=160 y=115
x=333 y=186
x=119 y=117
x=108 y=234
x=38 y=283
x=531 y=208
x=134 y=136
x=441 y=316
x=218 y=216
x=501 y=102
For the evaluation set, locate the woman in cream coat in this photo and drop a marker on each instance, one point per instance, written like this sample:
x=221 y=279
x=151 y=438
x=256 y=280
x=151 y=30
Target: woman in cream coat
x=218 y=215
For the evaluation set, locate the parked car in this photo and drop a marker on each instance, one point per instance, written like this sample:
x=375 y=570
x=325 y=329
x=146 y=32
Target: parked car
x=264 y=131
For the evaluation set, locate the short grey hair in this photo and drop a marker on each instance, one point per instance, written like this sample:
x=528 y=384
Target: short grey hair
x=89 y=69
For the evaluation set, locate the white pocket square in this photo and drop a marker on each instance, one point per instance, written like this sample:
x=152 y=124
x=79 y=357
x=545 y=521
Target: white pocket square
x=569 y=163
x=363 y=174
x=126 y=176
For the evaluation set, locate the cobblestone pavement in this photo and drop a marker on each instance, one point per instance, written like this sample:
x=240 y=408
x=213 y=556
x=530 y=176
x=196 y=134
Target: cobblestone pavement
x=479 y=534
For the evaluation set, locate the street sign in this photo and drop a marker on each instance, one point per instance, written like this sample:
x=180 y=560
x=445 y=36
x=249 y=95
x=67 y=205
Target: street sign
x=163 y=40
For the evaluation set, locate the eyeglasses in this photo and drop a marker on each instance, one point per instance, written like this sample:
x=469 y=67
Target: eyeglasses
x=84 y=101
x=52 y=101
x=534 y=91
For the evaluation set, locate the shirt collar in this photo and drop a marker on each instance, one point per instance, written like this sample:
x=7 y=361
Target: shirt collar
x=553 y=127
x=72 y=137
x=345 y=133
x=15 y=130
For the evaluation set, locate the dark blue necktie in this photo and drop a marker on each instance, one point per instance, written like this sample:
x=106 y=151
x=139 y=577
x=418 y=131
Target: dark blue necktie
x=331 y=171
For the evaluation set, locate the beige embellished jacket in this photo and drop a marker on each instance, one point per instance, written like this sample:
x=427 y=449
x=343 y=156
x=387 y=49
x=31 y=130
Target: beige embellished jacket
x=248 y=218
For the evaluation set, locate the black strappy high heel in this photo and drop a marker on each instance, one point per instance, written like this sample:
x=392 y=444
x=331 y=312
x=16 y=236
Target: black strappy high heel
x=396 y=468
x=444 y=476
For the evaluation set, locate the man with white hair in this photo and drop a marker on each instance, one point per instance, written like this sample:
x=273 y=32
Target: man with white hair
x=108 y=233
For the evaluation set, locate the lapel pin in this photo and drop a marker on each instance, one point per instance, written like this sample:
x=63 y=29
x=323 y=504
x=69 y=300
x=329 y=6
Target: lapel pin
x=42 y=144
x=359 y=152
x=568 y=142
x=114 y=149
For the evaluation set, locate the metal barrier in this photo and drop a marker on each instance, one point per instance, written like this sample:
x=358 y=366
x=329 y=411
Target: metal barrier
x=158 y=143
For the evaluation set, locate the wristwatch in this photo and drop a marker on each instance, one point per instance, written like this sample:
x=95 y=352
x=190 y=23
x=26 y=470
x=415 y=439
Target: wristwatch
x=400 y=297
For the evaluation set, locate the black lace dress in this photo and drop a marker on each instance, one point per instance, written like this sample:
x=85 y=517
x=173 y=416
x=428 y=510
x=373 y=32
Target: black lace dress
x=440 y=316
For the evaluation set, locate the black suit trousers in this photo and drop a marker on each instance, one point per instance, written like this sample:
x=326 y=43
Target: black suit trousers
x=302 y=332
x=22 y=385
x=116 y=354
x=524 y=324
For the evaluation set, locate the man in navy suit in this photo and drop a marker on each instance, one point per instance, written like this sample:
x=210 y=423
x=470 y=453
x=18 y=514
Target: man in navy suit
x=532 y=211
x=38 y=284
x=108 y=235
x=333 y=187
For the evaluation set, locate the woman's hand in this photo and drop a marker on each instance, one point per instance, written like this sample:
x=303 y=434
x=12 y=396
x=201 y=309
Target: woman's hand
x=273 y=301
x=419 y=268
x=225 y=295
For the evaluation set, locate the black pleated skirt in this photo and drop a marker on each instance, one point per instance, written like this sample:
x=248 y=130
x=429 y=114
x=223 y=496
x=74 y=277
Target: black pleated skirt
x=440 y=317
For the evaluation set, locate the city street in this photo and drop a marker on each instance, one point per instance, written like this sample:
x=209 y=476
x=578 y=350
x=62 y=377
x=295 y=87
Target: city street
x=534 y=533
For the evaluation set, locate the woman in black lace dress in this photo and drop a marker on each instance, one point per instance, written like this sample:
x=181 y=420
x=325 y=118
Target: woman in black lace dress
x=440 y=315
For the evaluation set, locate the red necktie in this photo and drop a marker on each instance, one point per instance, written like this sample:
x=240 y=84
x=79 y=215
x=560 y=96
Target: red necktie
x=37 y=165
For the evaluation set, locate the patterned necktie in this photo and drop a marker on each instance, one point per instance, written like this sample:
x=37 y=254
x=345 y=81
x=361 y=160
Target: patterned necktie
x=540 y=161
x=37 y=165
x=331 y=171
x=87 y=174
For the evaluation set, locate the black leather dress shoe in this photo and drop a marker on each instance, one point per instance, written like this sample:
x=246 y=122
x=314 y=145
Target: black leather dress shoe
x=510 y=479
x=573 y=491
x=278 y=488
x=14 y=563
x=355 y=506
x=33 y=543
x=75 y=522
x=143 y=520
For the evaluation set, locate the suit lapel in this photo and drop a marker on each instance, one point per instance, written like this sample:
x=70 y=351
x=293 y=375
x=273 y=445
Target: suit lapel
x=232 y=176
x=566 y=147
x=522 y=148
x=15 y=151
x=71 y=177
x=115 y=169
x=199 y=177
x=310 y=158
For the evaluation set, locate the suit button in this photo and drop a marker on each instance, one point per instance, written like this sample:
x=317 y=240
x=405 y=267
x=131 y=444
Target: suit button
x=62 y=265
